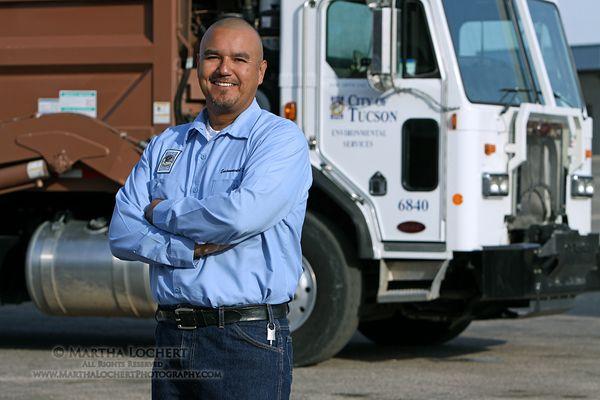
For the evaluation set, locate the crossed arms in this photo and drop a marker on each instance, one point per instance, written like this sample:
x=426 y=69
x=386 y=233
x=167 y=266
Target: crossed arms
x=200 y=250
x=176 y=232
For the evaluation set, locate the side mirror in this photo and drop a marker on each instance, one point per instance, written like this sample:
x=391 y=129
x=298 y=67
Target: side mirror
x=382 y=70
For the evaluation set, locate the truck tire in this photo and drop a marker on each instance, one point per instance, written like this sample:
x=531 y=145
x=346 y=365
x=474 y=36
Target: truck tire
x=401 y=331
x=333 y=317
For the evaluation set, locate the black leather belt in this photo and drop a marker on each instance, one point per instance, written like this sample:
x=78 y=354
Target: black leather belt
x=189 y=317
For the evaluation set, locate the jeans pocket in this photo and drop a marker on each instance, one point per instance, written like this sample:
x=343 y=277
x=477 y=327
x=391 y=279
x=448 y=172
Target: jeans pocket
x=255 y=333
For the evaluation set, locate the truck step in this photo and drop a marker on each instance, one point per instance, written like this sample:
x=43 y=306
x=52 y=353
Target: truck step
x=403 y=295
x=415 y=273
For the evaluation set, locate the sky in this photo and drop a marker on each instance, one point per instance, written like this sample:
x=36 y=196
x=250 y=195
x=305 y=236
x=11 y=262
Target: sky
x=581 y=19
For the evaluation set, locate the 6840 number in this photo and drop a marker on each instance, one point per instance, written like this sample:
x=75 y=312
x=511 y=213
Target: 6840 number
x=413 y=205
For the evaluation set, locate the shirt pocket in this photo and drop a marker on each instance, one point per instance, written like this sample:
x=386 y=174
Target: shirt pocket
x=165 y=188
x=223 y=185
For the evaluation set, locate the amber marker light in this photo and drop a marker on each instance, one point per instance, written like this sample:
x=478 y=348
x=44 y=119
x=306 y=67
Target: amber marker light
x=289 y=110
x=489 y=149
x=457 y=199
x=588 y=153
x=453 y=121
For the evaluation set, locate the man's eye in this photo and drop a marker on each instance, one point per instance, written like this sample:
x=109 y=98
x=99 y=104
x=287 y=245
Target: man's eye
x=241 y=60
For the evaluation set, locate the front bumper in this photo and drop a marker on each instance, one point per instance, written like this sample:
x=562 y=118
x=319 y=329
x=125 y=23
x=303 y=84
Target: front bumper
x=564 y=266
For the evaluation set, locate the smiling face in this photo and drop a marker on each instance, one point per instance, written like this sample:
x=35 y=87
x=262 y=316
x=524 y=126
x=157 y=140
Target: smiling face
x=230 y=67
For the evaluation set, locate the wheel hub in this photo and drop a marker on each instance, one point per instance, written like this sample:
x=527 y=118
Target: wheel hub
x=305 y=297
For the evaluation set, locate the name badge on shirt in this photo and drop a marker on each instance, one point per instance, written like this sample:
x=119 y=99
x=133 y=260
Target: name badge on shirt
x=167 y=161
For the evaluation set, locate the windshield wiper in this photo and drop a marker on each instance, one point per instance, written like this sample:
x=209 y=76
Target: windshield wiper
x=514 y=91
x=562 y=98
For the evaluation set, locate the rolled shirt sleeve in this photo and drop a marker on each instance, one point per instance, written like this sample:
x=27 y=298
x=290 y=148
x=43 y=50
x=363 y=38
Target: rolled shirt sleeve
x=131 y=237
x=277 y=176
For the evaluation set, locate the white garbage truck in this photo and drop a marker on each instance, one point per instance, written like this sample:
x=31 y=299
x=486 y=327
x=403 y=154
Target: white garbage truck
x=451 y=152
x=452 y=155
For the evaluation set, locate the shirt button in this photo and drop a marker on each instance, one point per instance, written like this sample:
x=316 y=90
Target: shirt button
x=195 y=189
x=203 y=156
x=177 y=290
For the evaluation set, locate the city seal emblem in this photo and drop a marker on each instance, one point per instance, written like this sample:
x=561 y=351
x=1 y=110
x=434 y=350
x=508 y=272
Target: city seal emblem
x=337 y=107
x=167 y=161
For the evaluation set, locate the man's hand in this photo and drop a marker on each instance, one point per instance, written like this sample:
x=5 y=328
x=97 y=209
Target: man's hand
x=149 y=208
x=202 y=250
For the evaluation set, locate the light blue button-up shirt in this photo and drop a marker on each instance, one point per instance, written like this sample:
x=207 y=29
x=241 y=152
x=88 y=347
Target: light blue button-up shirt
x=247 y=186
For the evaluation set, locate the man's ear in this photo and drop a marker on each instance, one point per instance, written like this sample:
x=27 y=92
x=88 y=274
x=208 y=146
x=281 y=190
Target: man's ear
x=199 y=61
x=262 y=68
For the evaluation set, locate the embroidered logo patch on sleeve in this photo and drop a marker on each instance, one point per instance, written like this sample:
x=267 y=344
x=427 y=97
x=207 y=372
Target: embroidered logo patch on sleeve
x=167 y=161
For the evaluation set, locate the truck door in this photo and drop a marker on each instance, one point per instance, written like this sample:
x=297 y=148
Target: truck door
x=388 y=145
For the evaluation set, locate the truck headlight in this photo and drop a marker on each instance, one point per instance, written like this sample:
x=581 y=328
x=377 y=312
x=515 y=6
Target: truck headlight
x=495 y=185
x=582 y=186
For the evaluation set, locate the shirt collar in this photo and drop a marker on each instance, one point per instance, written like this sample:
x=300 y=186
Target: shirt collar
x=240 y=127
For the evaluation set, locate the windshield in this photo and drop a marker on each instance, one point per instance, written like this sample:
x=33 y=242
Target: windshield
x=556 y=53
x=490 y=52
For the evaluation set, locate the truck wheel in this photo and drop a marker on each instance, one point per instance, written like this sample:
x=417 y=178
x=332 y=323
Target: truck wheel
x=402 y=331
x=324 y=313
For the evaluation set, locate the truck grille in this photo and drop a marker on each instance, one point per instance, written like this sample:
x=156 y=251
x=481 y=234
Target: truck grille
x=541 y=179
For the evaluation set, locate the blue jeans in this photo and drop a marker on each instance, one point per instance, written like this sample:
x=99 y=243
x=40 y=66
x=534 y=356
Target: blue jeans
x=231 y=362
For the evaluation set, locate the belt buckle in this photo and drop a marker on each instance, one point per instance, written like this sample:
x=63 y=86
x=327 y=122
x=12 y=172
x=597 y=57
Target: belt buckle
x=181 y=317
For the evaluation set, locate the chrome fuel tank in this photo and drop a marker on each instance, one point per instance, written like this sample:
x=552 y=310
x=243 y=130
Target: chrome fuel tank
x=71 y=271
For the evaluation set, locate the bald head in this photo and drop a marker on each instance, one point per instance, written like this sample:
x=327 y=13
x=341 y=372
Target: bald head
x=242 y=27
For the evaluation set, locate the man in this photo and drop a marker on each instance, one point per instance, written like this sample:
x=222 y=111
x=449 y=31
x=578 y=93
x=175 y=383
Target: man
x=216 y=208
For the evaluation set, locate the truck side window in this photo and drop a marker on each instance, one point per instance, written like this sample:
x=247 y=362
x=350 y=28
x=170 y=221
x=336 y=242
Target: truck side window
x=418 y=57
x=420 y=138
x=349 y=27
